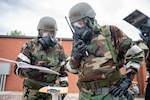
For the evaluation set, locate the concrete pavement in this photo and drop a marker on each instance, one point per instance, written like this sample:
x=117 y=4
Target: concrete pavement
x=11 y=95
x=74 y=96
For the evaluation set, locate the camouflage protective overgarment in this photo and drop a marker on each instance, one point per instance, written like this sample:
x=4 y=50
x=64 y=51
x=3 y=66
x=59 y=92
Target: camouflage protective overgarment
x=31 y=94
x=105 y=96
x=50 y=58
x=84 y=96
x=99 y=64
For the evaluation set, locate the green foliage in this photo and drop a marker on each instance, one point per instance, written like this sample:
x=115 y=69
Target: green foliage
x=16 y=33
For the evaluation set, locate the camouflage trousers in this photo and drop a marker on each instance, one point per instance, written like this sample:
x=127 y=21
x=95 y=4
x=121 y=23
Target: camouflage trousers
x=104 y=96
x=31 y=94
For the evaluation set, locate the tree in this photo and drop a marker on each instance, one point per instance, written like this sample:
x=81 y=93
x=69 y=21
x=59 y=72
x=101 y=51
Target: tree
x=16 y=33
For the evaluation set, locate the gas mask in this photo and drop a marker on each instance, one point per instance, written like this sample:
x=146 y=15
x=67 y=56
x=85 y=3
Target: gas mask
x=82 y=30
x=47 y=39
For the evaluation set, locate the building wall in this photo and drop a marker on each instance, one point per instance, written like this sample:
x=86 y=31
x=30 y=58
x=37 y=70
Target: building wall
x=10 y=47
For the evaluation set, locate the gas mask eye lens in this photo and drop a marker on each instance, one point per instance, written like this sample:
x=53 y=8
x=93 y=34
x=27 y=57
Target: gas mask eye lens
x=78 y=24
x=47 y=32
x=44 y=34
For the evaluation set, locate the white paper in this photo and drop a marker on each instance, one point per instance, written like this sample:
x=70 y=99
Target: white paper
x=25 y=65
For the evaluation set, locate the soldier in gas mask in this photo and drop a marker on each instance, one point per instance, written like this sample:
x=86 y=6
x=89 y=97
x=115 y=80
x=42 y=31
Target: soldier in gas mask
x=43 y=51
x=97 y=55
x=145 y=35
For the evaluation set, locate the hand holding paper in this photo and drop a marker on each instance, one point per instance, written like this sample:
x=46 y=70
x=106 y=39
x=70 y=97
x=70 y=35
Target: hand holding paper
x=25 y=65
x=41 y=69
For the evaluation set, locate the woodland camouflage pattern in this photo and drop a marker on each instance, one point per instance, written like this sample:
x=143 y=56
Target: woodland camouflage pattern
x=108 y=51
x=50 y=58
x=99 y=64
x=97 y=71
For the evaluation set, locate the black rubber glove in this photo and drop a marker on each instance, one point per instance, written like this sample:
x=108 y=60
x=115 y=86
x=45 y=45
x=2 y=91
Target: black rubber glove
x=79 y=49
x=30 y=73
x=121 y=88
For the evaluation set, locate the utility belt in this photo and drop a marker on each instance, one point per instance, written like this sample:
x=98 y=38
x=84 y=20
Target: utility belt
x=94 y=85
x=103 y=90
x=32 y=84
